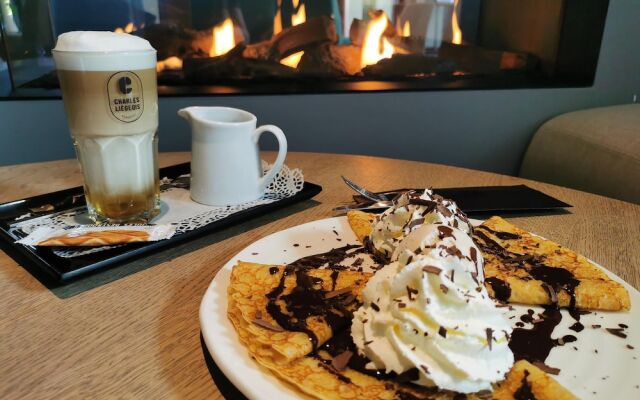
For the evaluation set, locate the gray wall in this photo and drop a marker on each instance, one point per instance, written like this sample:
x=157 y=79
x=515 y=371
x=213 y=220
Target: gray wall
x=486 y=130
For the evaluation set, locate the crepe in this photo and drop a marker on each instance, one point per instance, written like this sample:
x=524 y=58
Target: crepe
x=288 y=354
x=247 y=293
x=526 y=379
x=513 y=274
x=524 y=268
x=360 y=223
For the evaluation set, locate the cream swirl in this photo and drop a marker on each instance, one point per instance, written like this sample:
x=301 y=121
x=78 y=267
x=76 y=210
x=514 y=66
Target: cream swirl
x=409 y=211
x=429 y=310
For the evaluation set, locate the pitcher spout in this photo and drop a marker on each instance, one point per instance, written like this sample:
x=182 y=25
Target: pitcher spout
x=186 y=113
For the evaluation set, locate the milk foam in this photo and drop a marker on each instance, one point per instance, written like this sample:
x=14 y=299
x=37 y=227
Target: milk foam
x=103 y=51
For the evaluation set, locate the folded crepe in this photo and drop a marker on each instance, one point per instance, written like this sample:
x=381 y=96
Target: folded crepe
x=321 y=369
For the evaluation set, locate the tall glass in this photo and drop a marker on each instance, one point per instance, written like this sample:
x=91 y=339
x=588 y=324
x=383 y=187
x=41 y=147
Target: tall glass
x=111 y=102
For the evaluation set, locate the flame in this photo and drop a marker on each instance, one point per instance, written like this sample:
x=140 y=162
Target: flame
x=130 y=27
x=293 y=60
x=455 y=28
x=277 y=19
x=277 y=23
x=406 y=29
x=375 y=47
x=223 y=39
x=169 y=63
x=299 y=16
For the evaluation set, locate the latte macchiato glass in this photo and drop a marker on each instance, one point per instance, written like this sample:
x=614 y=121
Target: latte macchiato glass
x=108 y=83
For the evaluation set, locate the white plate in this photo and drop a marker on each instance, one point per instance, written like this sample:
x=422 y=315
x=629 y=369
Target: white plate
x=610 y=373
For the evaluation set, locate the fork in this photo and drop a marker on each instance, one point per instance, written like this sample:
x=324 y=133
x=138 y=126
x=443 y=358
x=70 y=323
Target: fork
x=369 y=195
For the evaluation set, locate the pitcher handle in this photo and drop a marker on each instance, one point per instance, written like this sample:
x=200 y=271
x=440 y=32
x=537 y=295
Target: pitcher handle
x=282 y=153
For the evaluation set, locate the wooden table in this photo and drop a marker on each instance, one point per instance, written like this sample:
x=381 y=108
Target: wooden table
x=139 y=336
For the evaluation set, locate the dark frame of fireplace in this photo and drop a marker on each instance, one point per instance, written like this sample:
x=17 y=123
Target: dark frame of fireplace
x=575 y=63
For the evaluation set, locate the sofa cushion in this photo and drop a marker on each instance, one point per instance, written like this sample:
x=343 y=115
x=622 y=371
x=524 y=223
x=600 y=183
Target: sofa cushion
x=595 y=150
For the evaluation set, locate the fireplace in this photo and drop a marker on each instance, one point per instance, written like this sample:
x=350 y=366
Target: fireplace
x=317 y=46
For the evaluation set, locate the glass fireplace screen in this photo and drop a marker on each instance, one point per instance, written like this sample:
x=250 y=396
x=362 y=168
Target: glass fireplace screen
x=302 y=46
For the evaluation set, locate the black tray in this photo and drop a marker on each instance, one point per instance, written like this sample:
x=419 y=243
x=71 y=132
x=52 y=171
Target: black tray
x=64 y=269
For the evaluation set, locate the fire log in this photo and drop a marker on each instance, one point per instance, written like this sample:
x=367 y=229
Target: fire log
x=331 y=60
x=170 y=40
x=314 y=31
x=233 y=66
x=408 y=65
x=485 y=61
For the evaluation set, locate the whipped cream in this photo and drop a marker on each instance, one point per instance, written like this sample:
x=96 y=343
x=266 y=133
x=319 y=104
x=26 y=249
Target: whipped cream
x=429 y=310
x=411 y=210
x=100 y=41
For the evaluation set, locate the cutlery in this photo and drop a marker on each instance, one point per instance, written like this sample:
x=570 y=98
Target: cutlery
x=364 y=192
x=378 y=205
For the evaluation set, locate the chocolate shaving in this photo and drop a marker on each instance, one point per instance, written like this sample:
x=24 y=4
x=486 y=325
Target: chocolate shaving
x=375 y=307
x=411 y=291
x=338 y=292
x=596 y=326
x=401 y=305
x=409 y=375
x=349 y=299
x=553 y=296
x=431 y=269
x=473 y=253
x=630 y=347
x=267 y=325
x=442 y=331
x=415 y=222
x=444 y=210
x=617 y=332
x=424 y=368
x=489 y=332
x=341 y=361
x=445 y=231
x=422 y=202
x=546 y=368
x=453 y=271
x=444 y=288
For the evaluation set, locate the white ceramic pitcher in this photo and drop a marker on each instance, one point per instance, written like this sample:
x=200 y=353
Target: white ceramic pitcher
x=225 y=159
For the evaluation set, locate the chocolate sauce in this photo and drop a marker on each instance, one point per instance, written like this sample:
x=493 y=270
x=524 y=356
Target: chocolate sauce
x=535 y=344
x=501 y=289
x=524 y=392
x=500 y=235
x=308 y=298
x=577 y=327
x=332 y=257
x=557 y=278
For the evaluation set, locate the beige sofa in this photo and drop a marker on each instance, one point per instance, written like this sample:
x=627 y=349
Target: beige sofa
x=595 y=150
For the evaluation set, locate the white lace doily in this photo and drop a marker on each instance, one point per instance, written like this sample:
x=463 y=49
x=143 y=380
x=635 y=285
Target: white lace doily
x=177 y=208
